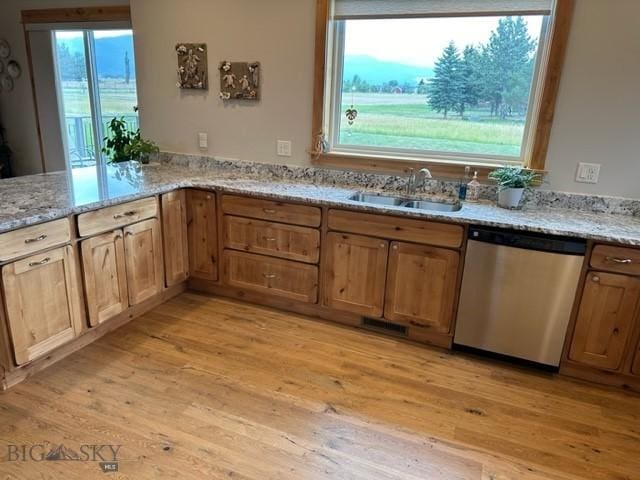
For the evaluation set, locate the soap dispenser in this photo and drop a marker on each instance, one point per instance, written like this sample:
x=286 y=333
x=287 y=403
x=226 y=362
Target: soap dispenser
x=473 y=189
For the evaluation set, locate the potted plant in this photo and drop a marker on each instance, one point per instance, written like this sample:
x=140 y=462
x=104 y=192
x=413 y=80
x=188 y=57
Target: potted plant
x=123 y=144
x=512 y=182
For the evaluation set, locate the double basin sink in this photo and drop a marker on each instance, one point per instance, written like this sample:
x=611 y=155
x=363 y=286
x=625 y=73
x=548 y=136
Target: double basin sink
x=395 y=201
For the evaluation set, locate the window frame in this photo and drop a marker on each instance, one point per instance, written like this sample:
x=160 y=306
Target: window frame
x=544 y=100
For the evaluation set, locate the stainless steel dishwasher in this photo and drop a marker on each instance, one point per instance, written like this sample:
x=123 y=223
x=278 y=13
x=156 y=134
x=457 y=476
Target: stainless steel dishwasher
x=517 y=293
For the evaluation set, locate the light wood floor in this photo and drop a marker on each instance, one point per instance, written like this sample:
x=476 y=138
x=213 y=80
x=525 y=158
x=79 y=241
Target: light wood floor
x=205 y=388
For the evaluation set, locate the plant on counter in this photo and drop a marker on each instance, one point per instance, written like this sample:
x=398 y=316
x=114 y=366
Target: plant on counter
x=512 y=182
x=122 y=144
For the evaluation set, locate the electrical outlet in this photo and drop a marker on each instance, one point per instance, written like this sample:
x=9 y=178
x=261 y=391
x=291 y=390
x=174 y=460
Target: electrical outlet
x=284 y=148
x=588 y=173
x=203 y=141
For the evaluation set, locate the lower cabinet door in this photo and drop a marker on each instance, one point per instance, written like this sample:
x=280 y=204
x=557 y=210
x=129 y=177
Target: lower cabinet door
x=355 y=275
x=143 y=259
x=105 y=276
x=605 y=320
x=271 y=276
x=202 y=231
x=42 y=302
x=174 y=231
x=421 y=286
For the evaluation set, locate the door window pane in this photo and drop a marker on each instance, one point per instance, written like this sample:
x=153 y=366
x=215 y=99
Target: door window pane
x=75 y=103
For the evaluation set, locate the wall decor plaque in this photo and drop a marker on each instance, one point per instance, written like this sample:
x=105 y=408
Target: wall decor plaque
x=239 y=80
x=192 y=66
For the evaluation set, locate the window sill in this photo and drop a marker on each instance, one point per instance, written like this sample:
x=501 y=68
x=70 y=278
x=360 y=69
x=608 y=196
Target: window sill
x=440 y=169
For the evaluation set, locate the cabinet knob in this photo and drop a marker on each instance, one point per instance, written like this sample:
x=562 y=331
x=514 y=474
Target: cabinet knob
x=269 y=275
x=595 y=279
x=395 y=247
x=382 y=245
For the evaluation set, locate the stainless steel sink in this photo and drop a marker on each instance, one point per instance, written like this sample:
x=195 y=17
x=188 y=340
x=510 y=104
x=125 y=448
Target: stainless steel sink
x=378 y=199
x=434 y=206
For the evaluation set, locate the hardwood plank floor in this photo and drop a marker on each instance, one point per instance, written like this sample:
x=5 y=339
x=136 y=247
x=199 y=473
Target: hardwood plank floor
x=212 y=388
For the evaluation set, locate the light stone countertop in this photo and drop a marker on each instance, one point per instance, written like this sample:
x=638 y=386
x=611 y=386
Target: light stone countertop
x=38 y=198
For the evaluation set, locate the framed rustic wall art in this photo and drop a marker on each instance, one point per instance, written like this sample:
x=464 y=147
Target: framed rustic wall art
x=239 y=80
x=192 y=66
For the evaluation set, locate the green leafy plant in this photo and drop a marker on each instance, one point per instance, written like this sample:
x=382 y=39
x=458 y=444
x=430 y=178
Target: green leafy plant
x=514 y=177
x=122 y=144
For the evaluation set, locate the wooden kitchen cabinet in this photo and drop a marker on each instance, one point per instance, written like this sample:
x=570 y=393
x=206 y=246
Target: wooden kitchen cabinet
x=635 y=368
x=143 y=258
x=421 y=286
x=42 y=302
x=605 y=320
x=355 y=273
x=105 y=276
x=174 y=231
x=202 y=234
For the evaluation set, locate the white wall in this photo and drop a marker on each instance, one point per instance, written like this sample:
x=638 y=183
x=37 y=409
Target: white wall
x=596 y=116
x=16 y=107
x=278 y=33
x=598 y=111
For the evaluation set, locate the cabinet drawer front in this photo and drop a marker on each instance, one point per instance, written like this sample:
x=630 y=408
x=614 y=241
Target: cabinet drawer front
x=275 y=239
x=110 y=218
x=270 y=210
x=605 y=320
x=271 y=276
x=397 y=228
x=616 y=259
x=33 y=239
x=42 y=303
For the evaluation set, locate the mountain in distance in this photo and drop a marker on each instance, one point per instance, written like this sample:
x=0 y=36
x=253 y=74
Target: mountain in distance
x=109 y=54
x=377 y=72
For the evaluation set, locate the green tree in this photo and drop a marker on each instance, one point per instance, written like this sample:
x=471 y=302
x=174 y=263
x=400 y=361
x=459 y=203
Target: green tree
x=127 y=68
x=445 y=92
x=71 y=66
x=507 y=65
x=471 y=78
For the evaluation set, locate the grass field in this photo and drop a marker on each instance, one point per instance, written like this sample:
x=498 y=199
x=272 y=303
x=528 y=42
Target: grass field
x=406 y=121
x=116 y=98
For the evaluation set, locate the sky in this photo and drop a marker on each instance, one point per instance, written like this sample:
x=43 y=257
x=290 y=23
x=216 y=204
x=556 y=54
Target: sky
x=421 y=41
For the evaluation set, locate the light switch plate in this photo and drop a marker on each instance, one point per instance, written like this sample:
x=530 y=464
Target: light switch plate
x=203 y=141
x=588 y=173
x=284 y=148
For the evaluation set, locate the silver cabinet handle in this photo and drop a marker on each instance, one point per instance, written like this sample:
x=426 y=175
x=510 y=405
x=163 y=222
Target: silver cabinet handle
x=130 y=213
x=270 y=239
x=36 y=239
x=595 y=279
x=270 y=211
x=623 y=261
x=269 y=275
x=41 y=262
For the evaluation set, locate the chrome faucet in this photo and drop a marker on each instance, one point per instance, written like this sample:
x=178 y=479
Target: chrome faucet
x=417 y=180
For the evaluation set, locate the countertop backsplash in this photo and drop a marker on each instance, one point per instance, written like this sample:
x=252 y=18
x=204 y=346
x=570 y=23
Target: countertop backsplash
x=534 y=198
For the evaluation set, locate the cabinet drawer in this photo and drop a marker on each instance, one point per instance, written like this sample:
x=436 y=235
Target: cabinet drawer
x=616 y=259
x=271 y=276
x=270 y=210
x=110 y=218
x=397 y=228
x=275 y=239
x=33 y=239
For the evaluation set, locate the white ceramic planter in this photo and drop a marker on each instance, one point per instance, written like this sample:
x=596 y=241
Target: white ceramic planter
x=510 y=197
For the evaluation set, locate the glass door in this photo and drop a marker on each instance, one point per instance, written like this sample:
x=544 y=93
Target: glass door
x=95 y=75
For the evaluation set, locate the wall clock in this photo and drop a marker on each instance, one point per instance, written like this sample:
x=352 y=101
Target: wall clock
x=5 y=49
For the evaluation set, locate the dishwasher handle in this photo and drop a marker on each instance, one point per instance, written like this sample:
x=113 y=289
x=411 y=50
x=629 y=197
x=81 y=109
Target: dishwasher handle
x=529 y=241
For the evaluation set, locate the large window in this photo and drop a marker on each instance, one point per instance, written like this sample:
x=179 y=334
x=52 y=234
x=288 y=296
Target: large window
x=450 y=81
